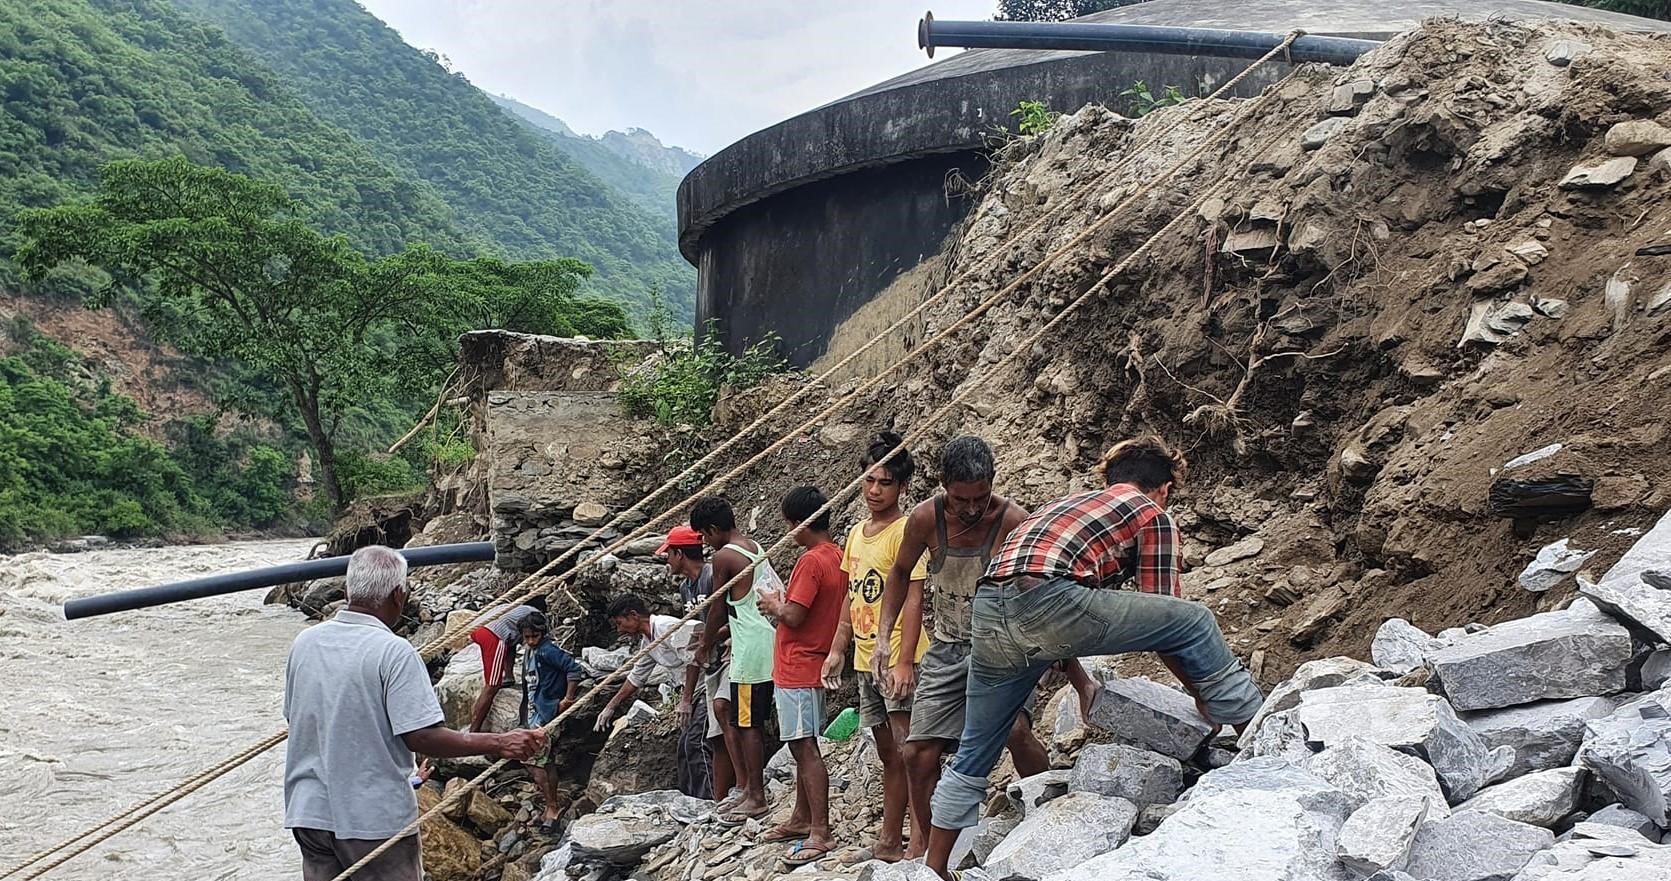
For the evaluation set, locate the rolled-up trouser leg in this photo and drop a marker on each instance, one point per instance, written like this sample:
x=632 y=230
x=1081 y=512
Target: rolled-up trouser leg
x=1000 y=681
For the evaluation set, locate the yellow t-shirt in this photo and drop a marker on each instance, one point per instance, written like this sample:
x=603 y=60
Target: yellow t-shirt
x=866 y=562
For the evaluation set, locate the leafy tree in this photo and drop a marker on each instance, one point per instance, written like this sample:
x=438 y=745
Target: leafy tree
x=226 y=269
x=1054 y=10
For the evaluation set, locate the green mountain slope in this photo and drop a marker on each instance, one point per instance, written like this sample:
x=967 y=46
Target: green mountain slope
x=86 y=81
x=651 y=189
x=502 y=178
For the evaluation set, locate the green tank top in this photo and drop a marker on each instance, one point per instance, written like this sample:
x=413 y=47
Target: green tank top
x=753 y=638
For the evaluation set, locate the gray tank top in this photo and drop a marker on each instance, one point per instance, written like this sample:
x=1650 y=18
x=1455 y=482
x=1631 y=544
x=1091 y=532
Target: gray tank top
x=953 y=575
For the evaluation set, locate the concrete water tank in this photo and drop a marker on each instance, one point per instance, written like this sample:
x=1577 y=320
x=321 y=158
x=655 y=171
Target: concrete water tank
x=825 y=227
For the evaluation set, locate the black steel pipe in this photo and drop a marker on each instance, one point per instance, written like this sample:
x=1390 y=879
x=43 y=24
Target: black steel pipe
x=1095 y=37
x=232 y=582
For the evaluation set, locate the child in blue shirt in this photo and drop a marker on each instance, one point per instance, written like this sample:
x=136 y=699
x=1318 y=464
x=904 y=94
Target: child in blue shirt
x=550 y=677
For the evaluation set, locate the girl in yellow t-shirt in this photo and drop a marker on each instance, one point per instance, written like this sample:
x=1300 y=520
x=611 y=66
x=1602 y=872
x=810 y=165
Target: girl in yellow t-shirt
x=872 y=546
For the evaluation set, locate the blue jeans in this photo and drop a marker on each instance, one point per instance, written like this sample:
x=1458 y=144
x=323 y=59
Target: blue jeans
x=1017 y=636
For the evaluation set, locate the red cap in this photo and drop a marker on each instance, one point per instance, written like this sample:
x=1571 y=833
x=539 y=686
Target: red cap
x=680 y=537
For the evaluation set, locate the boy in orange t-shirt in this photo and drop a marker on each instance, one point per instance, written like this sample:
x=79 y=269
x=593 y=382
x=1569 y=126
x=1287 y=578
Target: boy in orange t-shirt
x=806 y=615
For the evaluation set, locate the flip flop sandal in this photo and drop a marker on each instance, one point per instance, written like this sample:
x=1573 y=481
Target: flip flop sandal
x=732 y=819
x=778 y=834
x=801 y=855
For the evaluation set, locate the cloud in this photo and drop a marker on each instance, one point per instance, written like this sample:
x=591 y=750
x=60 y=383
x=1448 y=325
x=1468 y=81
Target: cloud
x=698 y=74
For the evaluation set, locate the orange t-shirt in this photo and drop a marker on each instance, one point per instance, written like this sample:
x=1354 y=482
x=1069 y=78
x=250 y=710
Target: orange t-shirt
x=818 y=584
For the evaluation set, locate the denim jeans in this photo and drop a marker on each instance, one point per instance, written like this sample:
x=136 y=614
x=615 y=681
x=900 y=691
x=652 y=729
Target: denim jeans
x=1019 y=634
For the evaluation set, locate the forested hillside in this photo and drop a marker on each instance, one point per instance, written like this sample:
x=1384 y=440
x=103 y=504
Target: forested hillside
x=503 y=178
x=178 y=432
x=651 y=188
x=87 y=81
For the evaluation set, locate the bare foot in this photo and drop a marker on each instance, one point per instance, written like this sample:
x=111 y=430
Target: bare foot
x=889 y=853
x=916 y=853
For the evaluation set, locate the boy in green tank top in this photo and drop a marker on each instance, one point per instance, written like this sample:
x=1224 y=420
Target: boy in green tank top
x=752 y=641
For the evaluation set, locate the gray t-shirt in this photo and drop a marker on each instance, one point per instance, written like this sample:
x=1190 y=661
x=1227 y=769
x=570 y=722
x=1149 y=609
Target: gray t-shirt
x=351 y=689
x=508 y=627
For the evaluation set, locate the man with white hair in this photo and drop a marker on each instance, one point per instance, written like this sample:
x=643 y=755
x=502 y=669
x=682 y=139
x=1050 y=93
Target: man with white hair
x=359 y=703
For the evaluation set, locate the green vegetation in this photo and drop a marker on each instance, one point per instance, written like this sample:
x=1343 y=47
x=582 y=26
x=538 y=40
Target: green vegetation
x=506 y=182
x=1144 y=101
x=1033 y=117
x=681 y=386
x=83 y=82
x=225 y=269
x=650 y=189
x=73 y=460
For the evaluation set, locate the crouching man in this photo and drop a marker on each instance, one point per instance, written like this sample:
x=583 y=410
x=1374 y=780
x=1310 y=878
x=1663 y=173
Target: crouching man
x=359 y=703
x=1044 y=599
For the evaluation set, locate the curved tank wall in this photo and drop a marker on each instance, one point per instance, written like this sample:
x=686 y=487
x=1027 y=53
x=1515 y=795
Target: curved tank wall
x=797 y=228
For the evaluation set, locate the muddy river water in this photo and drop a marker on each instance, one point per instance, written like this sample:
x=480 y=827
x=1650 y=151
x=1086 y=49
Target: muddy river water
x=98 y=714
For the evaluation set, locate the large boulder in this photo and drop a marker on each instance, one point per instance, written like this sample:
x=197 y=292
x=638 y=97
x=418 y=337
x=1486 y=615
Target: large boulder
x=1625 y=818
x=1635 y=602
x=1400 y=646
x=1378 y=836
x=449 y=852
x=1368 y=771
x=1474 y=846
x=1282 y=830
x=1061 y=835
x=1312 y=675
x=1145 y=713
x=625 y=828
x=1580 y=860
x=1279 y=734
x=1031 y=793
x=1544 y=798
x=1630 y=751
x=1137 y=775
x=1571 y=653
x=461 y=683
x=1543 y=735
x=1406 y=719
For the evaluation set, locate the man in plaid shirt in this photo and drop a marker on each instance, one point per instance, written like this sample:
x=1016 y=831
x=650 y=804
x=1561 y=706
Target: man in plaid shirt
x=1044 y=599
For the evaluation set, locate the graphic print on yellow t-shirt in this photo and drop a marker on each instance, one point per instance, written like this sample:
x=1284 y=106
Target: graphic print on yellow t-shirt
x=866 y=562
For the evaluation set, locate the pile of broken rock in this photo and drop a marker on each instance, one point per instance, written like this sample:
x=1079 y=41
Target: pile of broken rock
x=1538 y=749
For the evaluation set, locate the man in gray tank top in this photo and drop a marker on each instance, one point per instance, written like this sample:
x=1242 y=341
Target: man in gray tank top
x=959 y=529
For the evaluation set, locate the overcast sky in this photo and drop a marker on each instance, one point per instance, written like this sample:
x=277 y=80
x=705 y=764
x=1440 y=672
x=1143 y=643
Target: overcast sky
x=698 y=73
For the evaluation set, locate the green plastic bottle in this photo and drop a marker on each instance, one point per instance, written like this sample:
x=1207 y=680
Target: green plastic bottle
x=843 y=727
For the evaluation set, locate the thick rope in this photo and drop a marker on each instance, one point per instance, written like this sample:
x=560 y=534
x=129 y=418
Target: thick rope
x=81 y=842
x=1022 y=351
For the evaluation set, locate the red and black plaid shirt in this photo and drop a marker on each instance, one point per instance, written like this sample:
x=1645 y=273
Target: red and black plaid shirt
x=1098 y=539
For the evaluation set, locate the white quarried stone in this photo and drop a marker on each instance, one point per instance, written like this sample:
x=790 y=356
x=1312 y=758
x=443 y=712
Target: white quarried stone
x=1030 y=793
x=1406 y=719
x=1597 y=174
x=1656 y=670
x=1145 y=713
x=1378 y=835
x=1474 y=846
x=1400 y=646
x=1544 y=798
x=1625 y=818
x=1137 y=775
x=1543 y=735
x=1367 y=771
x=1582 y=860
x=1631 y=752
x=1312 y=675
x=1063 y=834
x=1279 y=734
x=1552 y=655
x=1272 y=834
x=1638 y=603
x=1241 y=550
x=1554 y=564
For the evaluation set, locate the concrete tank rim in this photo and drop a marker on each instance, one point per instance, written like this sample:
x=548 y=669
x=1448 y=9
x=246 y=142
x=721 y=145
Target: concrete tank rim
x=974 y=69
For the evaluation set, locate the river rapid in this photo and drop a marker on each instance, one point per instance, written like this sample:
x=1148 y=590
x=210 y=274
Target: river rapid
x=98 y=714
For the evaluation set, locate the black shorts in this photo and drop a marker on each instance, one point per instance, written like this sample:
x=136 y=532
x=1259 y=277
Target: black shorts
x=751 y=704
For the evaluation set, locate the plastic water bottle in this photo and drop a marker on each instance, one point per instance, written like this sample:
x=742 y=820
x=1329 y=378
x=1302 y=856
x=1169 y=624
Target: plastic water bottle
x=845 y=724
